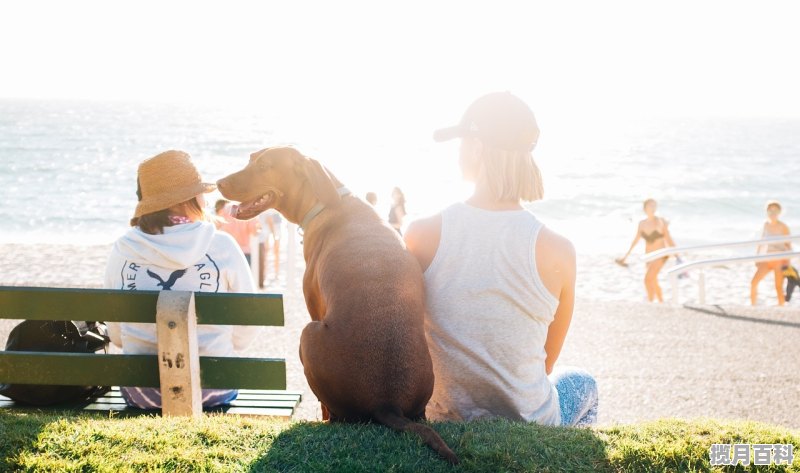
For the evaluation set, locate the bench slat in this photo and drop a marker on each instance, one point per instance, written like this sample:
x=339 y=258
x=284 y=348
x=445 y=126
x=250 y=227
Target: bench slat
x=113 y=402
x=244 y=395
x=250 y=411
x=124 y=410
x=242 y=373
x=110 y=305
x=135 y=370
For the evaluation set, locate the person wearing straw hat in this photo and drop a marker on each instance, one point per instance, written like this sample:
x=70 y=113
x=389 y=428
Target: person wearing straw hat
x=173 y=246
x=499 y=285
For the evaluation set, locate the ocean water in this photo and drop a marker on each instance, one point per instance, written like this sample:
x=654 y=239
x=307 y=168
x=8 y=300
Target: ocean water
x=67 y=170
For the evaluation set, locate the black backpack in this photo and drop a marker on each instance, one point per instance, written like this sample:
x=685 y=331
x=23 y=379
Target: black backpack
x=55 y=336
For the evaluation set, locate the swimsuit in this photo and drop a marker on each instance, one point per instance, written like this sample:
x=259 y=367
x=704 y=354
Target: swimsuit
x=653 y=237
x=775 y=248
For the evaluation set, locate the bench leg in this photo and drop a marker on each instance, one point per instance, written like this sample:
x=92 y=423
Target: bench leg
x=179 y=361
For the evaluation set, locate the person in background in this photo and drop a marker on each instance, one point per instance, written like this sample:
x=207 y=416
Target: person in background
x=792 y=280
x=655 y=232
x=500 y=286
x=372 y=198
x=219 y=206
x=398 y=210
x=772 y=228
x=241 y=230
x=173 y=247
x=270 y=223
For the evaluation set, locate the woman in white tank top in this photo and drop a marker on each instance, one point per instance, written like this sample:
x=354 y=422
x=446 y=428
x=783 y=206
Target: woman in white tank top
x=500 y=286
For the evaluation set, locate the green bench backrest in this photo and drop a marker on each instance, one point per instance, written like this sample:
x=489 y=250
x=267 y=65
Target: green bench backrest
x=110 y=305
x=135 y=306
x=135 y=370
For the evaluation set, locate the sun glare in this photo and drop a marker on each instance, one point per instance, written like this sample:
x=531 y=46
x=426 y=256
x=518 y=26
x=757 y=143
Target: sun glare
x=362 y=85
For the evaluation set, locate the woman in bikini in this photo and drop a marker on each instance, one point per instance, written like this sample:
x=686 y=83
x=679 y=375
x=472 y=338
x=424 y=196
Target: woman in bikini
x=655 y=232
x=772 y=228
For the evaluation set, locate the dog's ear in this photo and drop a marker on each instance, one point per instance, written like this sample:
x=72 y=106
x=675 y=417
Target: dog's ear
x=254 y=156
x=323 y=184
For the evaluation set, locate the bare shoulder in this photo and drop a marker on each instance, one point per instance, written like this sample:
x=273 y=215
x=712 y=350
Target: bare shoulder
x=422 y=239
x=552 y=245
x=555 y=261
x=423 y=230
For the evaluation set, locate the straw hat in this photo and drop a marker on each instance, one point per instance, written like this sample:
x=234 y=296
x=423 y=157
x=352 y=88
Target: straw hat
x=168 y=179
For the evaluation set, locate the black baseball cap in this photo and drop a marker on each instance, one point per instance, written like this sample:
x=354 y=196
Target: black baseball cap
x=500 y=120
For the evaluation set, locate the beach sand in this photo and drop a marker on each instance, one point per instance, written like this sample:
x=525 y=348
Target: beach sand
x=650 y=361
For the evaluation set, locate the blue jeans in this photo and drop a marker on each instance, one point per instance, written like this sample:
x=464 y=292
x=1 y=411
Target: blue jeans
x=577 y=396
x=150 y=398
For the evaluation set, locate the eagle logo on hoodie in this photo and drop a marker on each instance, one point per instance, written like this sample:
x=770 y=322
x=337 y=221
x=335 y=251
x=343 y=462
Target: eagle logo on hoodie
x=167 y=285
x=202 y=276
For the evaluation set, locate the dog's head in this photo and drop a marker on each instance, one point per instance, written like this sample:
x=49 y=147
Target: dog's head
x=279 y=178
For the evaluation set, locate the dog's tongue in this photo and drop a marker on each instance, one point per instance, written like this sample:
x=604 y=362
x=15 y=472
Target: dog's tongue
x=251 y=208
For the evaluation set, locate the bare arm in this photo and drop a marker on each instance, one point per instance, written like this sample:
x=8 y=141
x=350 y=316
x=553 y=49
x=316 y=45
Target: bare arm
x=667 y=235
x=633 y=245
x=787 y=232
x=763 y=234
x=422 y=239
x=557 y=332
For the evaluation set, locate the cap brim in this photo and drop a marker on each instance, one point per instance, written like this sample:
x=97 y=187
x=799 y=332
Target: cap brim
x=446 y=134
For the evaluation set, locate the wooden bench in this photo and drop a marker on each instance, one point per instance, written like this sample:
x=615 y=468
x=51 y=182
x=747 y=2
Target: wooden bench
x=177 y=369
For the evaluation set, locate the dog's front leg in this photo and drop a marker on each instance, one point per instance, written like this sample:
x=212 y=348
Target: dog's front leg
x=314 y=300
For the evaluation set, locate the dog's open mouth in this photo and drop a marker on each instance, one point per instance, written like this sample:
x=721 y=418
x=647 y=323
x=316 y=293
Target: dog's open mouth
x=251 y=208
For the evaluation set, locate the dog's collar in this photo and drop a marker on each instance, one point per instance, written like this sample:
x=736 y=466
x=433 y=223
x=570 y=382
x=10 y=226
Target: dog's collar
x=317 y=209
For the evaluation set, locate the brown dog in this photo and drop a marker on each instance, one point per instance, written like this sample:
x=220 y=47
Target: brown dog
x=364 y=353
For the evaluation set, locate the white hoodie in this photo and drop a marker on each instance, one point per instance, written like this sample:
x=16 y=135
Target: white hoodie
x=187 y=257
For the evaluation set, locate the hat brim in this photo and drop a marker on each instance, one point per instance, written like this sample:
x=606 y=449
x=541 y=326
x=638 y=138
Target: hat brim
x=155 y=203
x=447 y=134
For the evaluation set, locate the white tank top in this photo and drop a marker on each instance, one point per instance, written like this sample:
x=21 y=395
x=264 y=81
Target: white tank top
x=488 y=316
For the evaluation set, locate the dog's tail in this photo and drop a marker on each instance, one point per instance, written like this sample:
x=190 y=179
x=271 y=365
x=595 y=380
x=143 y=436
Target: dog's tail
x=393 y=418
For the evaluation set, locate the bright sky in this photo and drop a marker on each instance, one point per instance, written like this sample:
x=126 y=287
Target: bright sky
x=368 y=59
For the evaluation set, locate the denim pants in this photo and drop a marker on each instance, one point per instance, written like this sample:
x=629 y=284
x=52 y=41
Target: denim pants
x=577 y=396
x=150 y=398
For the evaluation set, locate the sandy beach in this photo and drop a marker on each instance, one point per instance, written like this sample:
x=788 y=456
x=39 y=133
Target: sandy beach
x=650 y=361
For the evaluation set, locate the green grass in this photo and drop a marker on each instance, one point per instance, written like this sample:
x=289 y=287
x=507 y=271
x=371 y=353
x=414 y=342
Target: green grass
x=50 y=442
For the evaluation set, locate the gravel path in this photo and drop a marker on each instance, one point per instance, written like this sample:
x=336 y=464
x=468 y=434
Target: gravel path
x=660 y=361
x=650 y=361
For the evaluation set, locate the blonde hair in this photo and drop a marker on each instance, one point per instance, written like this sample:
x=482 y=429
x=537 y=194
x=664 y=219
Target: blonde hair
x=648 y=201
x=510 y=175
x=773 y=203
